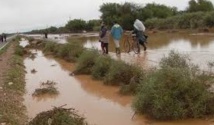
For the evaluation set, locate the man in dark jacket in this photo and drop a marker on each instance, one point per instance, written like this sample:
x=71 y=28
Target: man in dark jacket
x=1 y=38
x=104 y=38
x=140 y=37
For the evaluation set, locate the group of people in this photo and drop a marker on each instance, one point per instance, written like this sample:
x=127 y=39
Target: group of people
x=3 y=37
x=117 y=32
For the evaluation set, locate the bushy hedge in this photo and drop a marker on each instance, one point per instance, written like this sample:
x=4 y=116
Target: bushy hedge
x=101 y=67
x=69 y=51
x=121 y=73
x=183 y=21
x=175 y=91
x=86 y=61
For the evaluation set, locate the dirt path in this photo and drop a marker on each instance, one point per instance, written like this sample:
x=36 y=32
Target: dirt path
x=11 y=107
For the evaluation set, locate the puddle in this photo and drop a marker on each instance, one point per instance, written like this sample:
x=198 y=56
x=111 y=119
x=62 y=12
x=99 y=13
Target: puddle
x=23 y=42
x=101 y=105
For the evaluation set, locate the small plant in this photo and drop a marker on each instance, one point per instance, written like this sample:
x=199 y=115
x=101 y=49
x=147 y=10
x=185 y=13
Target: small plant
x=58 y=116
x=46 y=88
x=48 y=83
x=32 y=56
x=33 y=71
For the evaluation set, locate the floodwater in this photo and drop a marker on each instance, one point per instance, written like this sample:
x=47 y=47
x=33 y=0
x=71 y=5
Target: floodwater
x=199 y=47
x=99 y=104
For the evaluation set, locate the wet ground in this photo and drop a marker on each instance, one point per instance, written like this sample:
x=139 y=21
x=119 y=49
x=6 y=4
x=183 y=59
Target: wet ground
x=199 y=47
x=102 y=105
x=99 y=104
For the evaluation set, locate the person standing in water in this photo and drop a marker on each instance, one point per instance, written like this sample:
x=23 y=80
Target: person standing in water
x=4 y=37
x=1 y=38
x=139 y=30
x=104 y=38
x=116 y=32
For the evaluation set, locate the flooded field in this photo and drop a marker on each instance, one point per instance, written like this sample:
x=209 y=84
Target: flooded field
x=103 y=105
x=199 y=47
x=99 y=104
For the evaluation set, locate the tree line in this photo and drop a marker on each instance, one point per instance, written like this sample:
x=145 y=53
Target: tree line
x=198 y=14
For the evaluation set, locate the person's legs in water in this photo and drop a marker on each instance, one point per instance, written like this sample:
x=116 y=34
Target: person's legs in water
x=102 y=47
x=117 y=44
x=106 y=47
x=143 y=44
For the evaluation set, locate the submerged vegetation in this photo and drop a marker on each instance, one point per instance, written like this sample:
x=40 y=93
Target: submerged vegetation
x=46 y=88
x=58 y=116
x=175 y=90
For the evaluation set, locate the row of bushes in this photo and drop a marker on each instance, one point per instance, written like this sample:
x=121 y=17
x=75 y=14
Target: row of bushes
x=112 y=72
x=176 y=90
x=100 y=67
x=183 y=21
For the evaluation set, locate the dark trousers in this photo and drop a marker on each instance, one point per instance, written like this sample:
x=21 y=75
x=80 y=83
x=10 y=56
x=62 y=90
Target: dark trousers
x=104 y=47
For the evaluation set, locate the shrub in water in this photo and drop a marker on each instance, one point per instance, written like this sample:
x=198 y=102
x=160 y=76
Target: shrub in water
x=121 y=73
x=101 y=67
x=86 y=61
x=58 y=116
x=70 y=51
x=50 y=46
x=176 y=91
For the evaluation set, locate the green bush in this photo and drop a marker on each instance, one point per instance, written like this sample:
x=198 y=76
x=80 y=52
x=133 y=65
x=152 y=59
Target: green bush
x=101 y=67
x=175 y=91
x=121 y=73
x=70 y=51
x=86 y=61
x=19 y=50
x=50 y=47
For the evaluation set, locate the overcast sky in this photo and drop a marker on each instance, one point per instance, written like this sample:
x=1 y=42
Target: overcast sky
x=25 y=15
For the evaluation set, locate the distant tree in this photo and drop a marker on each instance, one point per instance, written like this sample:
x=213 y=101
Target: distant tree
x=126 y=13
x=52 y=29
x=154 y=10
x=199 y=5
x=91 y=24
x=110 y=12
x=76 y=25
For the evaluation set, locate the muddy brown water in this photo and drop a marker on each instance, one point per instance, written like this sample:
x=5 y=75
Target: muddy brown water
x=198 y=46
x=99 y=104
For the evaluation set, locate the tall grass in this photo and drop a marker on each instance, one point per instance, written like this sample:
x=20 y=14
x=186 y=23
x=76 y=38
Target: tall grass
x=175 y=91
